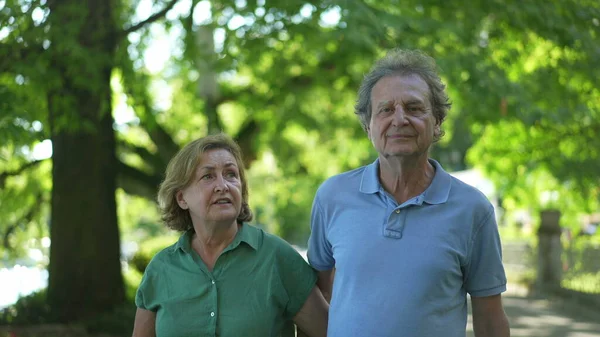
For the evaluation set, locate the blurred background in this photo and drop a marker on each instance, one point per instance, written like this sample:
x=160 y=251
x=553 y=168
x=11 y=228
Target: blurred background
x=96 y=96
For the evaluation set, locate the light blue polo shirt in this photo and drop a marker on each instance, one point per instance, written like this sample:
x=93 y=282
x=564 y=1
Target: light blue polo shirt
x=404 y=270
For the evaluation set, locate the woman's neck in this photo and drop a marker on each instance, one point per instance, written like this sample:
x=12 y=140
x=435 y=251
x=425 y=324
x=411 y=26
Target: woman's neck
x=210 y=241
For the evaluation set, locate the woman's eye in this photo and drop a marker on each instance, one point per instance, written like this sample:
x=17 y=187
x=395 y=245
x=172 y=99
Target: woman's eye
x=205 y=177
x=232 y=174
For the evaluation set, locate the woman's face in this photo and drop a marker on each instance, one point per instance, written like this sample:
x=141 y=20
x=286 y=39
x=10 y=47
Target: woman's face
x=215 y=194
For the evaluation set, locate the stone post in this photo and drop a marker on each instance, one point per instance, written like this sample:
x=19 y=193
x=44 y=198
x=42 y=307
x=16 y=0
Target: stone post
x=549 y=272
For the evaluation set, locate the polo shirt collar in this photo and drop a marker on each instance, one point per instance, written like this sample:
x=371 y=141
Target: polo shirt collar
x=370 y=178
x=439 y=189
x=246 y=234
x=436 y=193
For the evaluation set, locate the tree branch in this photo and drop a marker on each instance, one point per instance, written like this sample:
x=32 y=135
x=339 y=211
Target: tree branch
x=153 y=160
x=135 y=182
x=152 y=18
x=5 y=175
x=27 y=218
x=166 y=146
x=245 y=138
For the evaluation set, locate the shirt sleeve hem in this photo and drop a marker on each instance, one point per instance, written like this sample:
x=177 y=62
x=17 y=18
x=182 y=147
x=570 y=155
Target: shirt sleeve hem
x=321 y=267
x=488 y=292
x=295 y=308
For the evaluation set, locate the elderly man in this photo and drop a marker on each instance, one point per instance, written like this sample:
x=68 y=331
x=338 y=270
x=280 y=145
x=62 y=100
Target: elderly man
x=399 y=243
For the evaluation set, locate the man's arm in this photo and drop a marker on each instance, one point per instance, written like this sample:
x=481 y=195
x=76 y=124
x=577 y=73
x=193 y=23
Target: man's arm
x=144 y=323
x=489 y=318
x=325 y=283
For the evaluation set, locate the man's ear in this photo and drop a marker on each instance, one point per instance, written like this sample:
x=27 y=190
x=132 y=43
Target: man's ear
x=180 y=200
x=437 y=130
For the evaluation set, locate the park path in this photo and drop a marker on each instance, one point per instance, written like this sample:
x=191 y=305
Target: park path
x=535 y=317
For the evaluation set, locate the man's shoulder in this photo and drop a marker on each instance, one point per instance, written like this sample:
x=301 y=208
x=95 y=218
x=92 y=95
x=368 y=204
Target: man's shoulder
x=345 y=180
x=469 y=196
x=464 y=190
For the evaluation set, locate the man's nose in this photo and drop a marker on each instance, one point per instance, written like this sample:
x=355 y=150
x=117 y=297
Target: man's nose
x=399 y=116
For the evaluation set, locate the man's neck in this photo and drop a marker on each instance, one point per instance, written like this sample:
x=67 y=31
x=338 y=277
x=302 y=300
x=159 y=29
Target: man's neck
x=405 y=178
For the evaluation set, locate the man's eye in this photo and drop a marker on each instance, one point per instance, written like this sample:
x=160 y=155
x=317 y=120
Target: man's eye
x=386 y=109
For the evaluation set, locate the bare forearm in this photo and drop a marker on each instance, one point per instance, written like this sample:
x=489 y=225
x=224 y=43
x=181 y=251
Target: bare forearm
x=143 y=325
x=311 y=320
x=325 y=283
x=497 y=328
x=300 y=333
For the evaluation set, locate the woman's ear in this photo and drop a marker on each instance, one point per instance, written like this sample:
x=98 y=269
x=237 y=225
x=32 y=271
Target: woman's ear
x=180 y=200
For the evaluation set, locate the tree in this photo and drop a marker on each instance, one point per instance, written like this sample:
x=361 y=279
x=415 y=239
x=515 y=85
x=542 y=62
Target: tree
x=74 y=46
x=83 y=222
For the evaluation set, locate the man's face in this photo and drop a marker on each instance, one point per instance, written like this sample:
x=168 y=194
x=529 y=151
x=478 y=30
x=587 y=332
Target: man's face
x=402 y=122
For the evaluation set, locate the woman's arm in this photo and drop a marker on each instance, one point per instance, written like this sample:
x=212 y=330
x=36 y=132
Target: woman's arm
x=312 y=317
x=144 y=323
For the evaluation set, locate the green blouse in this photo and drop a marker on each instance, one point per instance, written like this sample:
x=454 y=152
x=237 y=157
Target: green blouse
x=258 y=283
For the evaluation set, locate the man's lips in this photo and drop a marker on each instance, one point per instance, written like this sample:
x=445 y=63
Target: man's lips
x=400 y=136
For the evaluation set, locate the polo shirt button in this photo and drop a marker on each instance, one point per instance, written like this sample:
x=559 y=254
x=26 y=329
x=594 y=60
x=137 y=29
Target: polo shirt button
x=212 y=314
x=212 y=281
x=397 y=211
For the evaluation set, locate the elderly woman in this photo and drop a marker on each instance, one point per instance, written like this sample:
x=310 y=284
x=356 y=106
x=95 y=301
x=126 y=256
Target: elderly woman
x=223 y=277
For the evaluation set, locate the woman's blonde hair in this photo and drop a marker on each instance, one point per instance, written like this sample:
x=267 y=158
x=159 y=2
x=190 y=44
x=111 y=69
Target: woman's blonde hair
x=180 y=174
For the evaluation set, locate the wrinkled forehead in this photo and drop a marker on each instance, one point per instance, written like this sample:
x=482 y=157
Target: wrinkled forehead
x=216 y=157
x=400 y=88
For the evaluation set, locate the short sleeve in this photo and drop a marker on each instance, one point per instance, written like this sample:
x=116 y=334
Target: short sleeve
x=297 y=277
x=485 y=275
x=146 y=293
x=320 y=254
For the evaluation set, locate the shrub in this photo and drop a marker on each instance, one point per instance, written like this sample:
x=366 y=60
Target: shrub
x=30 y=309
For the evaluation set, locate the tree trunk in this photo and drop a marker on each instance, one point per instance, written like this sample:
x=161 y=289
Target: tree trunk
x=208 y=87
x=84 y=271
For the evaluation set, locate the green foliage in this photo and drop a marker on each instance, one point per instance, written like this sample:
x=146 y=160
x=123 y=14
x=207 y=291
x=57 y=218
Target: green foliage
x=586 y=282
x=132 y=278
x=148 y=249
x=32 y=310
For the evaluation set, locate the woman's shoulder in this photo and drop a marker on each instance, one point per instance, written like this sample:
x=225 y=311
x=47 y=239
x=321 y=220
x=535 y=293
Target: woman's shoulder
x=163 y=257
x=269 y=240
